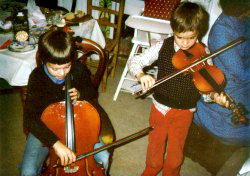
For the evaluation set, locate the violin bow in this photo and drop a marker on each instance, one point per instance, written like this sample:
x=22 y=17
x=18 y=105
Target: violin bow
x=140 y=93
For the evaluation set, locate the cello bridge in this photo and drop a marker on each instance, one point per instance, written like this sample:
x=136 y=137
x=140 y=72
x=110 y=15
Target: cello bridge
x=71 y=170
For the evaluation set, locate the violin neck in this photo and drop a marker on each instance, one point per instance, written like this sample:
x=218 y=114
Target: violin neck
x=69 y=116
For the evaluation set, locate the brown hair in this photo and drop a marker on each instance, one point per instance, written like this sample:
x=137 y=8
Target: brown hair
x=235 y=8
x=189 y=16
x=56 y=46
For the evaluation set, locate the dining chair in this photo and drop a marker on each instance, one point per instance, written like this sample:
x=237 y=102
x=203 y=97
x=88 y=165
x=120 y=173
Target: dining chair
x=109 y=16
x=85 y=48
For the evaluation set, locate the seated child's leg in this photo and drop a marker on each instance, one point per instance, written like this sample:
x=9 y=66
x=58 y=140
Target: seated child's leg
x=102 y=157
x=33 y=157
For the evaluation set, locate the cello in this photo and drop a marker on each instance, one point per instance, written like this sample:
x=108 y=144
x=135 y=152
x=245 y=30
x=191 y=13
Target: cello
x=77 y=126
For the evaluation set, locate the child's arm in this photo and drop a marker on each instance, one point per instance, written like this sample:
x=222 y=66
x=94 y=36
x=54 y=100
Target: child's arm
x=138 y=62
x=147 y=81
x=66 y=155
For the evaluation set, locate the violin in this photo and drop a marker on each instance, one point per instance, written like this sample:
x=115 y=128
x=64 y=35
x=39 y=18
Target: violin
x=205 y=77
x=77 y=126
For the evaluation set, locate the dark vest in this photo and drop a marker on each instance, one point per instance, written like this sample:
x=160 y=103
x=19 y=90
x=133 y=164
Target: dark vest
x=178 y=92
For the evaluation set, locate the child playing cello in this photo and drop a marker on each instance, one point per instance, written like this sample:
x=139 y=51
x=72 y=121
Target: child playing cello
x=57 y=51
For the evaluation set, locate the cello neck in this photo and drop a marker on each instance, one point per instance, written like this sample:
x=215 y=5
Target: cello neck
x=69 y=116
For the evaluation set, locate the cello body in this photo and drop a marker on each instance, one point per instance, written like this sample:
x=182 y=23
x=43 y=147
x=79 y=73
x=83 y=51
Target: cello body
x=87 y=127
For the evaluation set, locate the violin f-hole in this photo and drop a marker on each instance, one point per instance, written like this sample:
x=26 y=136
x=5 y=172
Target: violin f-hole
x=187 y=54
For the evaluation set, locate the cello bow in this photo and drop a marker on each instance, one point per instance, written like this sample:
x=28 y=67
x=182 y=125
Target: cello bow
x=114 y=144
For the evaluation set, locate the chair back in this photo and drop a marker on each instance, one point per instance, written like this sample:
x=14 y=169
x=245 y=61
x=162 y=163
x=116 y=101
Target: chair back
x=88 y=47
x=108 y=14
x=85 y=48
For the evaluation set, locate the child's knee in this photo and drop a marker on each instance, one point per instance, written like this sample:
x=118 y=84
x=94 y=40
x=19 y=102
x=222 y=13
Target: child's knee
x=103 y=158
x=28 y=172
x=173 y=164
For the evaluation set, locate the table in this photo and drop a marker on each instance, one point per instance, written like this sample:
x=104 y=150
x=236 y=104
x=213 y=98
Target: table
x=90 y=30
x=15 y=67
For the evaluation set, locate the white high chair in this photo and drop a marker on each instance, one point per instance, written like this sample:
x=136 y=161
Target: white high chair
x=146 y=30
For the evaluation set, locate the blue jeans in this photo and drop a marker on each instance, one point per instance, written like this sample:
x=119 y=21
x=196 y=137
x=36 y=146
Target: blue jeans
x=35 y=154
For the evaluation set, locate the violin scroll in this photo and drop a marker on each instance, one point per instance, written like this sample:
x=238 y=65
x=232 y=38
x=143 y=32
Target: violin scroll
x=239 y=112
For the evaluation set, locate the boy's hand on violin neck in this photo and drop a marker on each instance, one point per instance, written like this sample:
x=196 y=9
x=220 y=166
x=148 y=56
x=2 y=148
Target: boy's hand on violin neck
x=147 y=81
x=220 y=99
x=66 y=155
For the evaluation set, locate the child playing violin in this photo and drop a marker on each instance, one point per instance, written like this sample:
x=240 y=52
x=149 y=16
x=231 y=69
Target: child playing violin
x=57 y=52
x=174 y=101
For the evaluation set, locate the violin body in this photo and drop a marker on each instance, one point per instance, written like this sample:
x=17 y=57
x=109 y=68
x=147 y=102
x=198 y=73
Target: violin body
x=87 y=127
x=202 y=84
x=206 y=78
x=183 y=58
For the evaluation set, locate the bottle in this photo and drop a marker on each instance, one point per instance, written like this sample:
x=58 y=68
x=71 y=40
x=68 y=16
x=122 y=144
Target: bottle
x=20 y=23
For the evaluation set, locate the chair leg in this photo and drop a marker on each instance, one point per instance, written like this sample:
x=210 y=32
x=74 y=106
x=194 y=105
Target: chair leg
x=104 y=80
x=124 y=73
x=23 y=94
x=114 y=61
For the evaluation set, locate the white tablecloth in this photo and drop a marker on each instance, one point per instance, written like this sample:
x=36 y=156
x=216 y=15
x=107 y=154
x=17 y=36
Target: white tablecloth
x=90 y=30
x=16 y=67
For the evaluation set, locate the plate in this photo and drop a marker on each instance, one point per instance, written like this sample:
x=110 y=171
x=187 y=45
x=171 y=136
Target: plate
x=22 y=50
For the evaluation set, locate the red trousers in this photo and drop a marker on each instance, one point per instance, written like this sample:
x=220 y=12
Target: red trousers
x=173 y=127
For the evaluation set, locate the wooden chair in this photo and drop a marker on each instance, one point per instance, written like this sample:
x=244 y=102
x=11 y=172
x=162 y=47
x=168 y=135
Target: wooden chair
x=85 y=48
x=88 y=47
x=112 y=44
